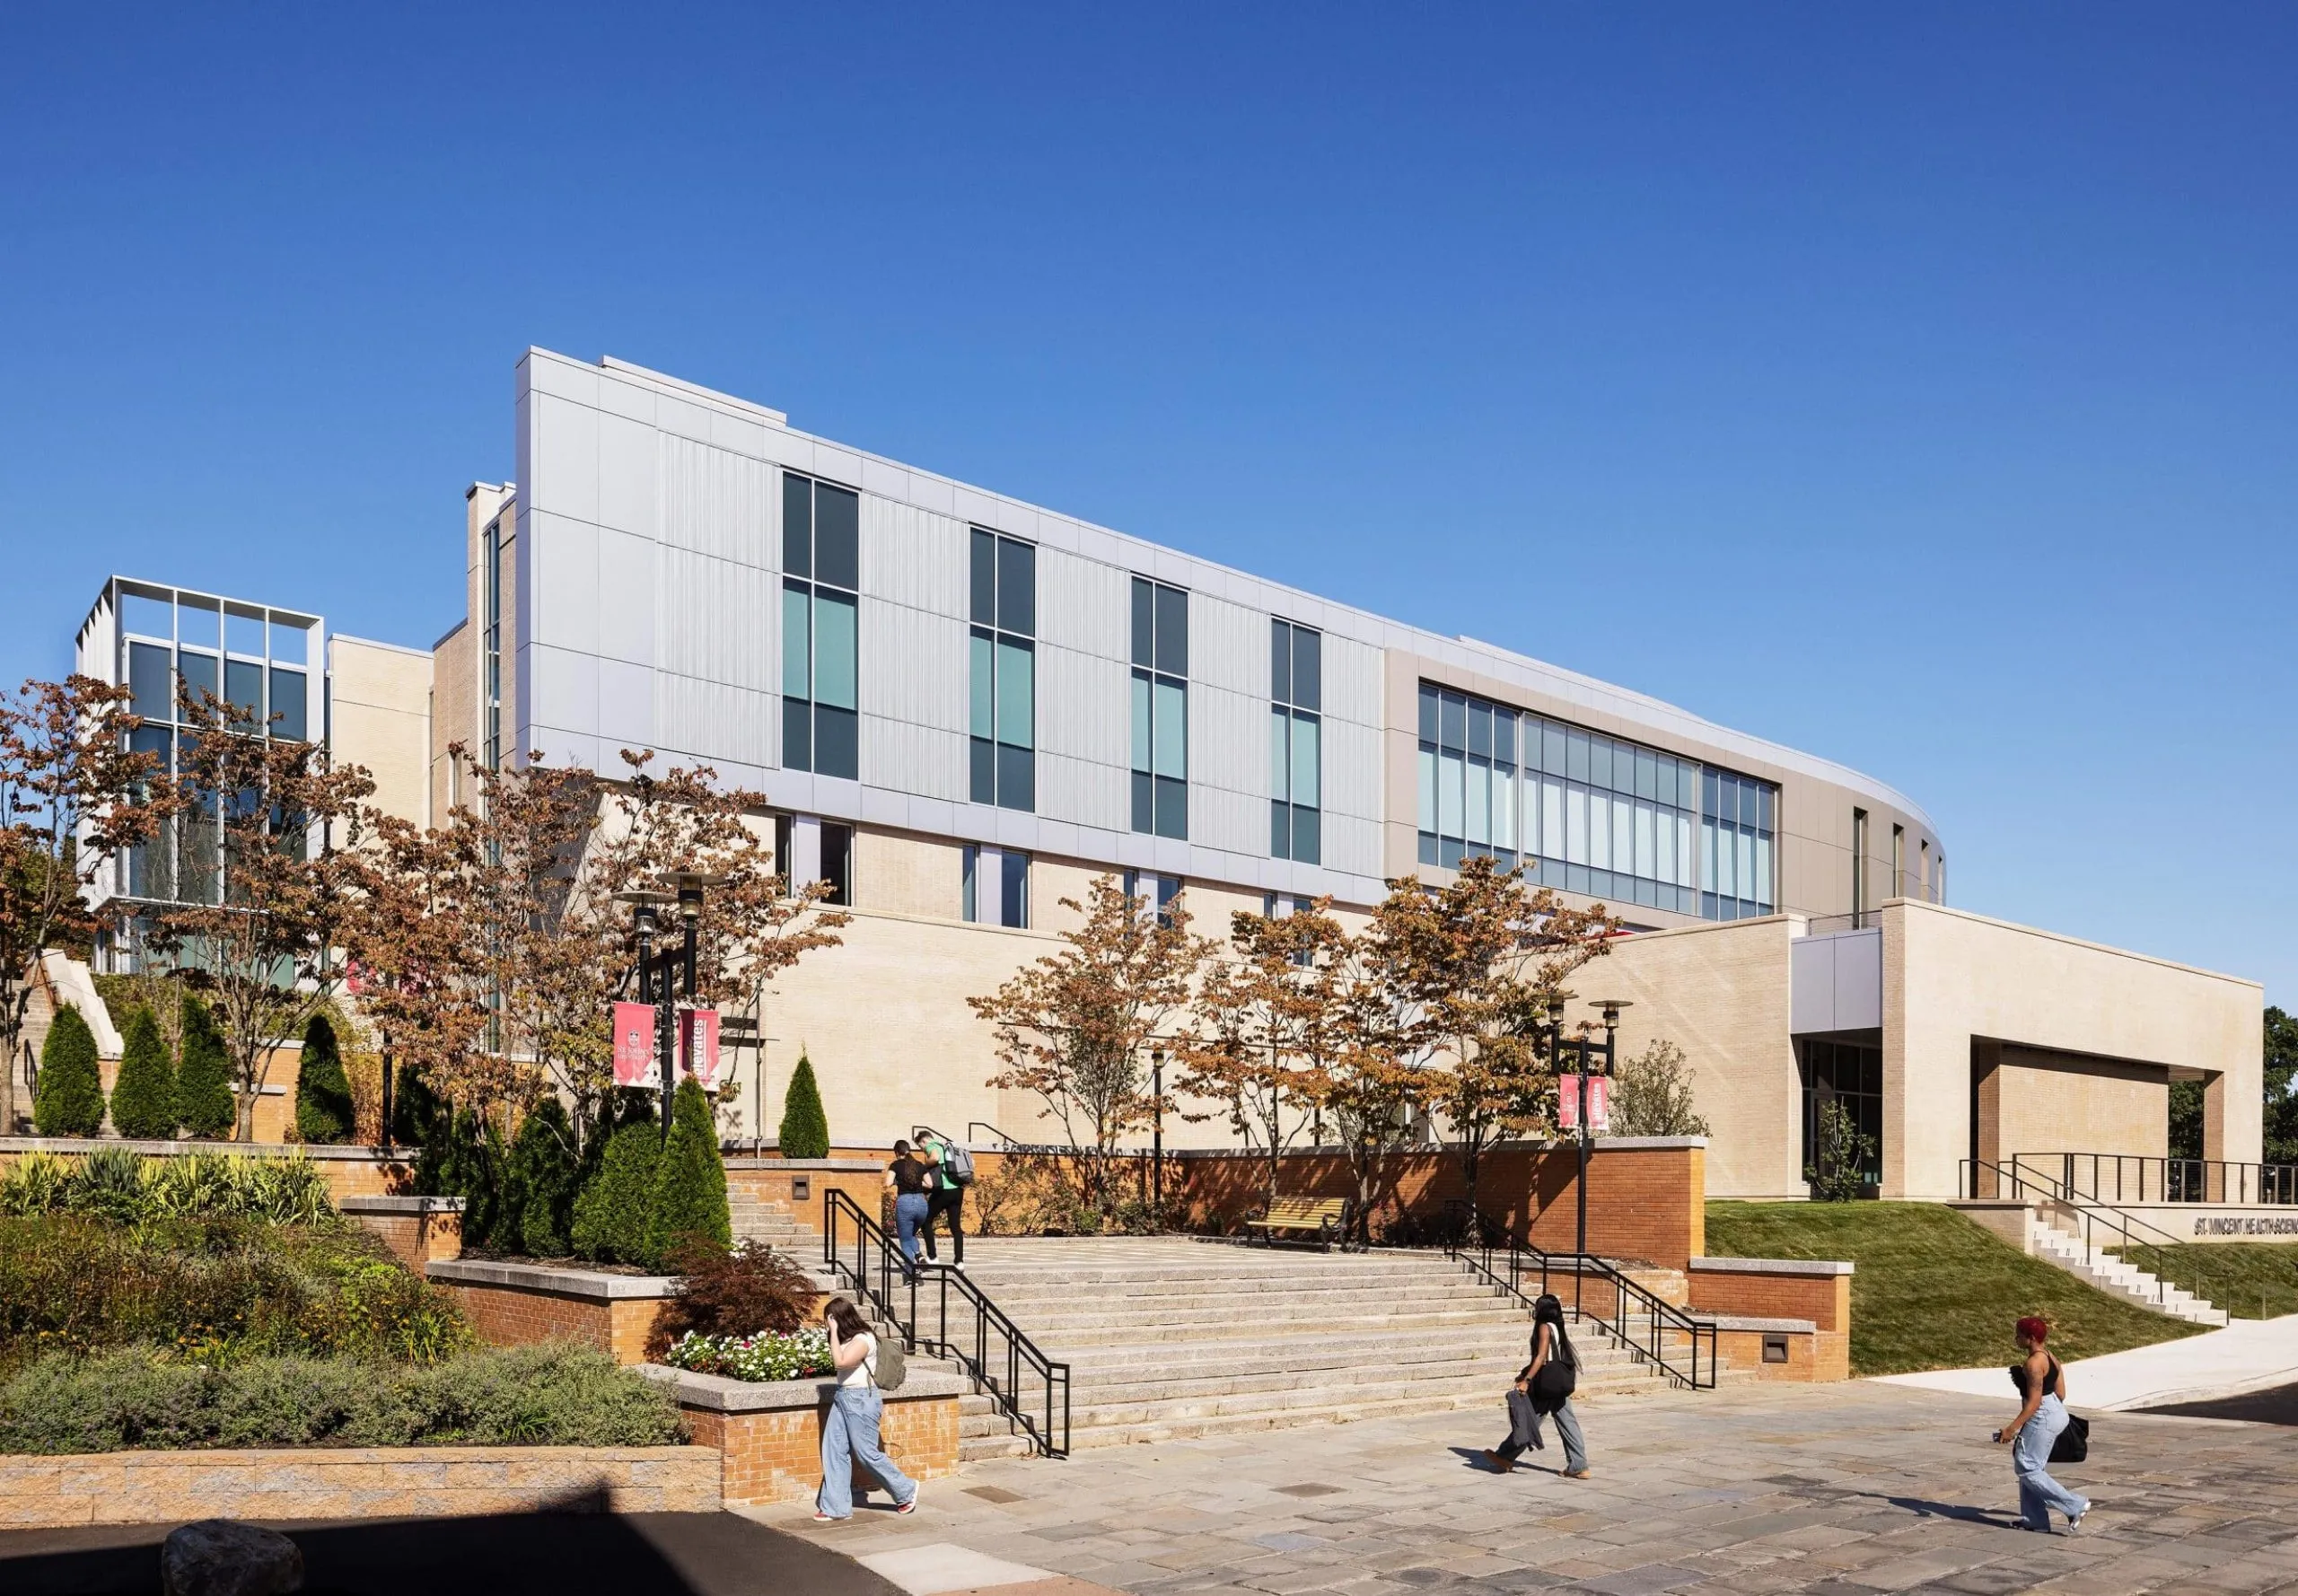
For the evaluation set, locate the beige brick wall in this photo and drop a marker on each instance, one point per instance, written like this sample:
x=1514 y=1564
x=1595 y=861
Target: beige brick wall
x=383 y=720
x=1720 y=994
x=131 y=1487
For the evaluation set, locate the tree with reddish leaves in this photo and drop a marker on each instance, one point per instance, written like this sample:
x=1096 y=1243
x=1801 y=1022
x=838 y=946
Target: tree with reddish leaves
x=272 y=830
x=1076 y=1026
x=73 y=801
x=1471 y=965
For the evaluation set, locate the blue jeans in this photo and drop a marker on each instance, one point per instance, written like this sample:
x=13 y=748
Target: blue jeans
x=2039 y=1493
x=850 y=1430
x=909 y=1218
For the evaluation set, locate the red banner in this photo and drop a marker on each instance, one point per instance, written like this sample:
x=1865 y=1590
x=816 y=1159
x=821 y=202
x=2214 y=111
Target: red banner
x=634 y=1045
x=1568 y=1103
x=699 y=1046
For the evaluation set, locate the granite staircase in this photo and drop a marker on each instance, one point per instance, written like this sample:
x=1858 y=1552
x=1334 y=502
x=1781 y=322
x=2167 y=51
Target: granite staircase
x=2052 y=1238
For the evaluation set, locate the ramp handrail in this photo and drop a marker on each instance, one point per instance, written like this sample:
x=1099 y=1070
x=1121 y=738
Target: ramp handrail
x=1028 y=1387
x=1492 y=1250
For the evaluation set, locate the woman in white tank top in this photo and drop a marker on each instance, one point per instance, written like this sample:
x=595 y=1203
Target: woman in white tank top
x=850 y=1430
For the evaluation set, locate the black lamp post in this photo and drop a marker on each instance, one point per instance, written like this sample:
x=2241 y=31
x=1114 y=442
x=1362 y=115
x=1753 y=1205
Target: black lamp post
x=1157 y=1130
x=661 y=976
x=1610 y=1008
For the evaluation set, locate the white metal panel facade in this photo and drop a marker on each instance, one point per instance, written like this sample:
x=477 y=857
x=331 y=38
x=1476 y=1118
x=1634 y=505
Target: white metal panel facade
x=914 y=558
x=1084 y=605
x=913 y=667
x=1228 y=646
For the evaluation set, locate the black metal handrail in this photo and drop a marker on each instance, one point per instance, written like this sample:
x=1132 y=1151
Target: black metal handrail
x=2104 y=1227
x=2144 y=1178
x=1003 y=1363
x=1492 y=1250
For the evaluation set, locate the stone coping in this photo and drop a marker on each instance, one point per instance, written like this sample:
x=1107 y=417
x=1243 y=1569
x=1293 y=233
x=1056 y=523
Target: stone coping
x=1599 y=1145
x=400 y=1205
x=837 y=1165
x=718 y=1394
x=1743 y=1322
x=1770 y=1266
x=312 y=1150
x=594 y=1284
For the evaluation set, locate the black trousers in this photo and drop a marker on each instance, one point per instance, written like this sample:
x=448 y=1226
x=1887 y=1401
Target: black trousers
x=949 y=1203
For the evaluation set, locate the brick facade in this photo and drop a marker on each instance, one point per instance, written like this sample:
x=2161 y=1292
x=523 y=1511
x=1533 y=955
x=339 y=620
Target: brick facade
x=776 y=1456
x=780 y=1179
x=128 y=1487
x=418 y=1231
x=1762 y=1288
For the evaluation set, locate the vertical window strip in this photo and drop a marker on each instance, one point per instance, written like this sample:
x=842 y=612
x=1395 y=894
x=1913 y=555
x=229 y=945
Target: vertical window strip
x=1004 y=669
x=1160 y=709
x=820 y=627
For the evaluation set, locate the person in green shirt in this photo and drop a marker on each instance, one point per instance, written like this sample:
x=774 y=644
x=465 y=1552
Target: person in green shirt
x=945 y=1200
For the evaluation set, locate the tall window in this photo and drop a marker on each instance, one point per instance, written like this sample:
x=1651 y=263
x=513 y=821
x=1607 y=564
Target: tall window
x=821 y=567
x=1296 y=674
x=1898 y=861
x=1004 y=671
x=996 y=886
x=1160 y=708
x=491 y=644
x=1736 y=815
x=1850 y=1072
x=1858 y=867
x=838 y=862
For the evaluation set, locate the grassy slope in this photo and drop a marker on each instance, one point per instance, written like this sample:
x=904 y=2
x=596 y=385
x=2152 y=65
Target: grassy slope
x=2233 y=1275
x=1934 y=1289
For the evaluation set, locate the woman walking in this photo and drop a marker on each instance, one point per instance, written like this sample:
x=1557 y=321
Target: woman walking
x=2042 y=1415
x=1544 y=1388
x=850 y=1430
x=909 y=1177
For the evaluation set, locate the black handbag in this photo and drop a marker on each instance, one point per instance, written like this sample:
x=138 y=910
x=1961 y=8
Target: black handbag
x=2074 y=1442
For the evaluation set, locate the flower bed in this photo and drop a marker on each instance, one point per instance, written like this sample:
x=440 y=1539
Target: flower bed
x=764 y=1356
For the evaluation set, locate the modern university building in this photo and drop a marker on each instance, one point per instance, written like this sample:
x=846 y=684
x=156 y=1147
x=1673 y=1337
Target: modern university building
x=962 y=708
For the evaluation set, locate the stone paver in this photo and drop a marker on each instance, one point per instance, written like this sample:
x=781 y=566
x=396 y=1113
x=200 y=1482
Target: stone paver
x=1844 y=1490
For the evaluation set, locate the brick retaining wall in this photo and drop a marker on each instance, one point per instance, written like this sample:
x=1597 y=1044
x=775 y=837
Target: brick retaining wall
x=353 y=1482
x=520 y=1304
x=418 y=1230
x=770 y=1435
x=1811 y=1291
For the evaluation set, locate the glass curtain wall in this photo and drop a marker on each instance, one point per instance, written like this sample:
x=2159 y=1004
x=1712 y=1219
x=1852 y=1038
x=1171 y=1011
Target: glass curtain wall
x=175 y=647
x=1160 y=708
x=1004 y=671
x=821 y=578
x=1582 y=812
x=1296 y=690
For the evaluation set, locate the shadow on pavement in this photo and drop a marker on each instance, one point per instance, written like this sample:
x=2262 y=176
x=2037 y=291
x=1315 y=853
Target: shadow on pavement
x=567 y=1549
x=2276 y=1405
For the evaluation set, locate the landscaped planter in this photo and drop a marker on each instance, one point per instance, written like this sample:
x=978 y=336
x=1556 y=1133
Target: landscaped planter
x=518 y=1304
x=350 y=1170
x=353 y=1482
x=769 y=1434
x=418 y=1230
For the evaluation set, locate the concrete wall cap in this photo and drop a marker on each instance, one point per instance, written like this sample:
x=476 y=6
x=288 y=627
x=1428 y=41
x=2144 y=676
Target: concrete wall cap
x=838 y=1165
x=716 y=1393
x=401 y=1204
x=1563 y=1143
x=560 y=1282
x=1770 y=1265
x=1792 y=1327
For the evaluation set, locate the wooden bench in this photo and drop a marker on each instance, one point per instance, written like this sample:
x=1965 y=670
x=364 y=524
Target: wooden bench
x=1325 y=1217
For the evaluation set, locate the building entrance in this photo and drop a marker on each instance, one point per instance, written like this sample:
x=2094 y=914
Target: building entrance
x=1848 y=1069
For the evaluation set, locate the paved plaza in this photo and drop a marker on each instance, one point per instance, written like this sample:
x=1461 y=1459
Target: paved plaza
x=1849 y=1488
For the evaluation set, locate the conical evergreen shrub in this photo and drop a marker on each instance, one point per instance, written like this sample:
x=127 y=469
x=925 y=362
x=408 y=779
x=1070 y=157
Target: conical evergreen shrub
x=540 y=1188
x=322 y=1091
x=70 y=1100
x=417 y=1114
x=144 y=1097
x=203 y=1105
x=805 y=1128
x=689 y=1196
x=610 y=1221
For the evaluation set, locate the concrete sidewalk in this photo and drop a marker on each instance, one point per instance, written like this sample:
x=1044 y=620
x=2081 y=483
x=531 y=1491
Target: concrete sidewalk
x=2248 y=1356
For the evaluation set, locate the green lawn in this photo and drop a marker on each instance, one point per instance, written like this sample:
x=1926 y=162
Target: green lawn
x=1934 y=1289
x=2240 y=1276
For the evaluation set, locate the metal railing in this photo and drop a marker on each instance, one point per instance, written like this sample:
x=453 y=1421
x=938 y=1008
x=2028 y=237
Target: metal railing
x=2136 y=1178
x=1028 y=1387
x=2106 y=1229
x=1653 y=1331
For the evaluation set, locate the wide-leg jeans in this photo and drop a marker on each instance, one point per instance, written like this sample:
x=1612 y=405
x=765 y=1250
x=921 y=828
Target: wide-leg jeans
x=850 y=1432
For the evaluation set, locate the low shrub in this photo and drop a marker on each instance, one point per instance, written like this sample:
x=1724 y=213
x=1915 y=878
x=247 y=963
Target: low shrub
x=765 y=1357
x=223 y=1288
x=119 y=1184
x=35 y=1184
x=139 y=1397
x=749 y=1290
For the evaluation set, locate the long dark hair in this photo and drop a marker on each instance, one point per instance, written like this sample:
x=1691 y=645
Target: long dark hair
x=1550 y=1311
x=850 y=1319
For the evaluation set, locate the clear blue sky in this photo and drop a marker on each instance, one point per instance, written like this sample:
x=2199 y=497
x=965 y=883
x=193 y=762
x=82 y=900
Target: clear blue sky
x=1919 y=387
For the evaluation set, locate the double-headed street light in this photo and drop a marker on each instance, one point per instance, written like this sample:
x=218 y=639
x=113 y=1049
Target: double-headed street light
x=661 y=976
x=1585 y=1049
